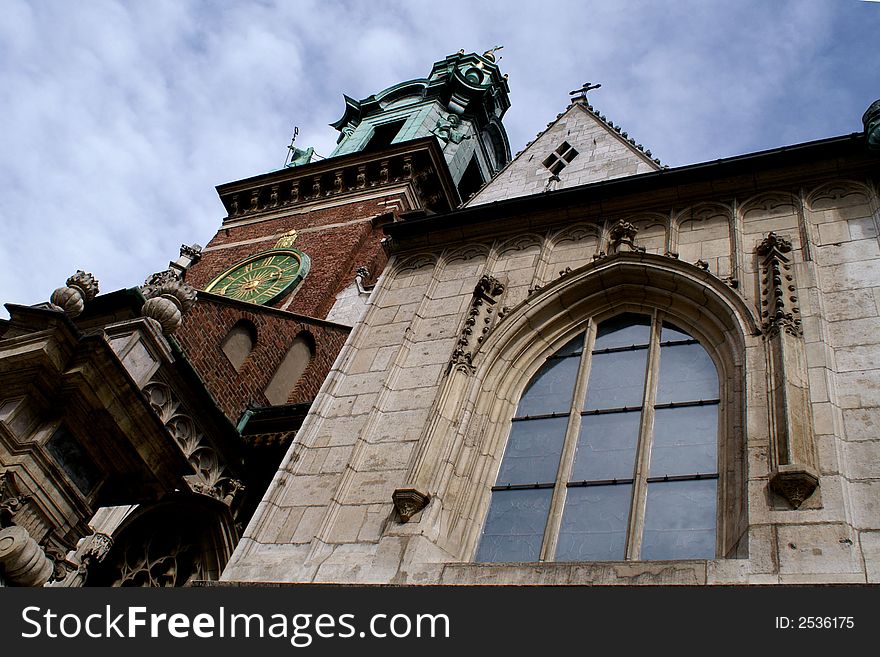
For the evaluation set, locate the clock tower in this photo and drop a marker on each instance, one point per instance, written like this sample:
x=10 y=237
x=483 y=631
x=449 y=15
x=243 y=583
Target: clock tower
x=291 y=267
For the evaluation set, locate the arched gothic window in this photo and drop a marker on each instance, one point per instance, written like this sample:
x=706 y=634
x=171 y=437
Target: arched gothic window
x=612 y=453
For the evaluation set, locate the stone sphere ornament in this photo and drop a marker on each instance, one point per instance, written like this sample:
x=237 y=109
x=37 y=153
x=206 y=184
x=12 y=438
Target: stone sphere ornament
x=81 y=288
x=165 y=309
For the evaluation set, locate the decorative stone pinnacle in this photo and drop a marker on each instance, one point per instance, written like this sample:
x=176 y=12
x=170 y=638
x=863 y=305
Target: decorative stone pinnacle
x=774 y=242
x=286 y=241
x=778 y=291
x=81 y=288
x=193 y=252
x=489 y=285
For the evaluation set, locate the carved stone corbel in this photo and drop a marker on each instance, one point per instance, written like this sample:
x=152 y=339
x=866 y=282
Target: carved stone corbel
x=793 y=457
x=409 y=501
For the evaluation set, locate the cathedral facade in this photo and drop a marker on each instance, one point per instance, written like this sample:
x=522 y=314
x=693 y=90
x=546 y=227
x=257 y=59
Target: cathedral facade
x=420 y=361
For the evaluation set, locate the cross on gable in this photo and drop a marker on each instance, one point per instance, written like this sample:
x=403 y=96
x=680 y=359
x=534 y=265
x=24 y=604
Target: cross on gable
x=581 y=94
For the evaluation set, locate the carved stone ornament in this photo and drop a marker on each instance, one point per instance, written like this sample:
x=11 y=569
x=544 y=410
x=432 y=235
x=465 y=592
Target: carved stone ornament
x=480 y=318
x=409 y=501
x=189 y=255
x=287 y=240
x=81 y=288
x=211 y=476
x=795 y=485
x=168 y=297
x=793 y=454
x=12 y=499
x=23 y=561
x=622 y=238
x=779 y=310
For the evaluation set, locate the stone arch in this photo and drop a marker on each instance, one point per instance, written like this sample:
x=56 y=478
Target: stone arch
x=519 y=260
x=182 y=539
x=705 y=232
x=410 y=267
x=465 y=253
x=653 y=230
x=514 y=350
x=571 y=248
x=768 y=204
x=836 y=194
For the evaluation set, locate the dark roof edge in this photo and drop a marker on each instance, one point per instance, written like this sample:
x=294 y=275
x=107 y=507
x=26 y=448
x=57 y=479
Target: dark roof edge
x=749 y=162
x=245 y=305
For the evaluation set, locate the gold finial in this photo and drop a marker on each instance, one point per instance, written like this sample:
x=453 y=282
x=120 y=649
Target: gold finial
x=286 y=241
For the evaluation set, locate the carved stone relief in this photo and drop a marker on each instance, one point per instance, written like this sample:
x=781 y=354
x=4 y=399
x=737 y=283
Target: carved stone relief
x=212 y=477
x=481 y=316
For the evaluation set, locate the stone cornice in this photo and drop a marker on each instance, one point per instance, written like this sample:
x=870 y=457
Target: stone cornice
x=418 y=164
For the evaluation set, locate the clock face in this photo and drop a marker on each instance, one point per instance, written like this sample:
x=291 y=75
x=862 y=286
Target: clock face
x=262 y=278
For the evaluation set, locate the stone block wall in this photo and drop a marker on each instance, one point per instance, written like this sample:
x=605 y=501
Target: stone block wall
x=413 y=403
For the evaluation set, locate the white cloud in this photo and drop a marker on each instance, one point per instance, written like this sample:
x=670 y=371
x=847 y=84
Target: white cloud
x=119 y=118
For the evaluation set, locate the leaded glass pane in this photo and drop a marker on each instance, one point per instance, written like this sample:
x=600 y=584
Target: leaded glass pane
x=624 y=330
x=685 y=440
x=572 y=347
x=616 y=379
x=594 y=523
x=670 y=333
x=680 y=520
x=687 y=373
x=533 y=450
x=514 y=528
x=606 y=447
x=551 y=388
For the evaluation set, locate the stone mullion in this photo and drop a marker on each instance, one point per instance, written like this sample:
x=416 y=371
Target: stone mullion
x=569 y=448
x=643 y=448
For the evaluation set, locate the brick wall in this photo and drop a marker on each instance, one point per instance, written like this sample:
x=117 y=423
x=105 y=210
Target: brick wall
x=202 y=333
x=337 y=239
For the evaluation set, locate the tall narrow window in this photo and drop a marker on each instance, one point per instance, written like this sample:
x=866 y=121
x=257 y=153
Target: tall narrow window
x=291 y=369
x=239 y=342
x=612 y=453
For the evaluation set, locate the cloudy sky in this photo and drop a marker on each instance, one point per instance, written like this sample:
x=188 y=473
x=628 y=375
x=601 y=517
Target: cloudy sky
x=117 y=119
